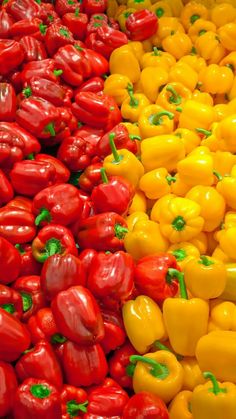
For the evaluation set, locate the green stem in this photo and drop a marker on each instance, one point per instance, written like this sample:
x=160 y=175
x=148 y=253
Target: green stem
x=120 y=231
x=179 y=254
x=194 y=18
x=170 y=179
x=159 y=12
x=157 y=370
x=57 y=72
x=77 y=12
x=135 y=137
x=175 y=97
x=216 y=388
x=53 y=246
x=73 y=408
x=156 y=119
x=117 y=157
x=163 y=347
x=156 y=52
x=27 y=92
x=174 y=273
x=20 y=248
x=104 y=175
x=201 y=32
x=204 y=260
x=179 y=223
x=217 y=175
x=42 y=28
x=58 y=338
x=206 y=132
x=26 y=301
x=50 y=128
x=44 y=215
x=64 y=32
x=10 y=308
x=30 y=156
x=133 y=101
x=40 y=391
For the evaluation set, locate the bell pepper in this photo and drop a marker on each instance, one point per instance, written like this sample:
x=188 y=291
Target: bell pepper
x=183 y=73
x=172 y=96
x=95 y=85
x=42 y=327
x=180 y=406
x=116 y=86
x=122 y=15
x=228 y=293
x=141 y=25
x=222 y=316
x=31 y=294
x=223 y=13
x=43 y=68
x=62 y=6
x=162 y=9
x=105 y=39
x=84 y=365
x=8 y=388
x=11 y=301
x=145 y=403
x=178 y=316
x=224 y=134
x=189 y=138
x=213 y=399
x=11 y=55
x=48 y=90
x=157 y=58
x=118 y=362
x=151 y=81
x=34 y=49
x=197 y=167
x=122 y=139
x=62 y=173
x=192 y=373
x=10 y=262
x=53 y=239
x=77 y=23
x=192 y=12
x=37 y=397
x=183 y=252
x=159 y=373
x=20 y=202
x=154 y=120
x=92 y=7
x=210 y=47
x=73 y=64
x=8 y=102
x=75 y=153
x=177 y=44
x=17 y=225
x=143 y=323
x=115 y=334
x=29 y=266
x=216 y=79
x=139 y=5
x=6 y=191
x=199 y=27
x=123 y=61
x=139 y=203
x=15 y=337
x=133 y=105
x=196 y=115
x=226 y=33
x=57 y=36
x=90 y=177
x=6 y=21
x=73 y=401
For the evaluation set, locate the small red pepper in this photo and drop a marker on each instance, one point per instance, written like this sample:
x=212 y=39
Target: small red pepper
x=29 y=288
x=77 y=23
x=11 y=55
x=17 y=225
x=66 y=6
x=6 y=23
x=145 y=404
x=42 y=326
x=122 y=139
x=57 y=36
x=11 y=301
x=10 y=262
x=141 y=25
x=75 y=152
x=91 y=177
x=105 y=40
x=98 y=20
x=6 y=191
x=114 y=331
x=34 y=49
x=73 y=402
x=93 y=6
x=48 y=90
x=99 y=64
x=86 y=257
x=118 y=363
x=8 y=102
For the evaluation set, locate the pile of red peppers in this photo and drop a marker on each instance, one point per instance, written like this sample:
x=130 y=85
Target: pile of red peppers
x=63 y=271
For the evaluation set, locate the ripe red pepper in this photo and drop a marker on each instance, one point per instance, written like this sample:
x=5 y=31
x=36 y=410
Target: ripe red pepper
x=103 y=232
x=118 y=363
x=122 y=139
x=57 y=36
x=90 y=134
x=96 y=21
x=10 y=262
x=93 y=6
x=8 y=102
x=95 y=85
x=141 y=25
x=8 y=388
x=11 y=55
x=87 y=211
x=156 y=276
x=48 y=90
x=21 y=202
x=66 y=6
x=17 y=225
x=23 y=9
x=75 y=152
x=62 y=173
x=30 y=177
x=29 y=266
x=37 y=399
x=77 y=23
x=40 y=362
x=26 y=27
x=78 y=316
x=14 y=337
x=42 y=326
x=53 y=239
x=84 y=365
x=75 y=65
x=114 y=330
x=6 y=22
x=73 y=402
x=6 y=191
x=66 y=124
x=29 y=287
x=105 y=40
x=61 y=272
x=43 y=68
x=91 y=177
x=147 y=405
x=86 y=257
x=11 y=301
x=34 y=49
x=99 y=64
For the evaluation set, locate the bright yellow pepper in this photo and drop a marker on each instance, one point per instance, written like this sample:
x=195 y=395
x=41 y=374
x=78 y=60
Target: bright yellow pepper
x=161 y=151
x=157 y=58
x=197 y=167
x=221 y=111
x=123 y=61
x=220 y=255
x=192 y=373
x=176 y=6
x=227 y=188
x=184 y=252
x=183 y=73
x=216 y=352
x=154 y=120
x=143 y=322
x=159 y=373
x=179 y=407
x=139 y=203
x=200 y=241
x=122 y=15
x=214 y=400
x=222 y=316
x=202 y=97
x=133 y=105
x=192 y=12
x=137 y=49
x=227 y=34
x=168 y=26
x=211 y=242
x=216 y=79
x=230 y=61
x=229 y=292
x=134 y=217
x=156 y=183
x=172 y=96
x=221 y=14
x=200 y=27
x=196 y=115
x=116 y=86
x=161 y=9
x=139 y=4
x=152 y=79
x=227 y=241
x=178 y=187
x=196 y=62
x=178 y=44
x=232 y=93
x=209 y=46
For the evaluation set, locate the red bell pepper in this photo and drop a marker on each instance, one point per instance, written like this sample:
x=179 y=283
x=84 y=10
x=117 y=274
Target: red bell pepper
x=6 y=191
x=7 y=389
x=29 y=288
x=105 y=40
x=84 y=365
x=10 y=262
x=103 y=232
x=8 y=102
x=75 y=65
x=75 y=152
x=42 y=326
x=156 y=276
x=90 y=134
x=86 y=257
x=49 y=15
x=64 y=6
x=40 y=362
x=11 y=301
x=14 y=337
x=73 y=402
x=48 y=90
x=37 y=399
x=99 y=64
x=114 y=331
x=43 y=68
x=141 y=25
x=57 y=36
x=17 y=225
x=87 y=211
x=78 y=316
x=146 y=405
x=23 y=9
x=64 y=127
x=6 y=22
x=61 y=272
x=53 y=239
x=29 y=266
x=26 y=27
x=11 y=55
x=30 y=177
x=95 y=85
x=118 y=363
x=96 y=21
x=62 y=173
x=77 y=23
x=93 y=6
x=113 y=23
x=114 y=194
x=122 y=139
x=91 y=177
x=20 y=202
x=34 y=49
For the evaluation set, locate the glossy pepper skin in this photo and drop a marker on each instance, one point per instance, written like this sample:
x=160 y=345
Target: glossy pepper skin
x=78 y=316
x=34 y=49
x=93 y=7
x=48 y=90
x=30 y=290
x=62 y=7
x=42 y=326
x=11 y=301
x=17 y=225
x=62 y=173
x=122 y=139
x=103 y=232
x=37 y=398
x=77 y=23
x=57 y=36
x=6 y=21
x=118 y=362
x=90 y=177
x=141 y=25
x=6 y=191
x=145 y=405
x=11 y=55
x=74 y=401
x=74 y=64
x=10 y=262
x=8 y=388
x=43 y=68
x=76 y=152
x=29 y=266
x=8 y=102
x=114 y=330
x=105 y=40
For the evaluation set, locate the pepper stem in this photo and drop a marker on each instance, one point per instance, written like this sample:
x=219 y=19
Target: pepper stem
x=161 y=346
x=116 y=156
x=175 y=97
x=170 y=179
x=30 y=156
x=40 y=391
x=120 y=231
x=20 y=248
x=58 y=338
x=216 y=388
x=77 y=12
x=104 y=175
x=194 y=18
x=156 y=119
x=159 y=12
x=53 y=246
x=133 y=101
x=10 y=308
x=50 y=128
x=57 y=72
x=158 y=370
x=174 y=273
x=206 y=132
x=44 y=215
x=135 y=137
x=178 y=223
x=26 y=301
x=27 y=92
x=73 y=407
x=217 y=174
x=179 y=254
x=204 y=260
x=156 y=52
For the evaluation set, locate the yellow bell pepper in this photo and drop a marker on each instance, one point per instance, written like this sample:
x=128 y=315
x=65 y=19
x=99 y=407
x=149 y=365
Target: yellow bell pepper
x=229 y=292
x=216 y=79
x=122 y=15
x=139 y=4
x=156 y=183
x=200 y=27
x=221 y=111
x=184 y=252
x=192 y=373
x=221 y=14
x=209 y=46
x=232 y=92
x=139 y=203
x=123 y=163
x=230 y=61
x=177 y=44
x=179 y=407
x=161 y=151
x=172 y=96
x=196 y=62
x=222 y=316
x=227 y=241
x=211 y=243
x=116 y=86
x=145 y=239
x=151 y=80
x=176 y=7
x=179 y=188
x=161 y=9
x=112 y=7
x=180 y=314
x=202 y=97
x=133 y=105
x=132 y=128
x=155 y=120
x=200 y=241
x=168 y=26
x=123 y=61
x=137 y=49
x=220 y=255
x=189 y=138
x=143 y=322
x=159 y=373
x=227 y=34
x=183 y=73
x=212 y=205
x=225 y=133
x=197 y=167
x=214 y=400
x=157 y=58
x=216 y=352
x=134 y=217
x=227 y=188
x=192 y=12
x=196 y=115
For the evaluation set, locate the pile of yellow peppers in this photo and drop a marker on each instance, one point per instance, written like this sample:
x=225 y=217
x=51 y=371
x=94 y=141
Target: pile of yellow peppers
x=177 y=91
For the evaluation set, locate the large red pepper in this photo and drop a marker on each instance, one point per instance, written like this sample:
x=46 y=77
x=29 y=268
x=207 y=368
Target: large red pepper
x=8 y=388
x=14 y=337
x=91 y=177
x=78 y=316
x=92 y=6
x=11 y=301
x=53 y=239
x=43 y=68
x=74 y=402
x=37 y=399
x=105 y=40
x=34 y=49
x=57 y=36
x=76 y=153
x=48 y=90
x=65 y=6
x=118 y=364
x=156 y=276
x=29 y=287
x=6 y=23
x=114 y=331
x=23 y=9
x=42 y=326
x=11 y=55
x=95 y=85
x=122 y=139
x=26 y=27
x=96 y=21
x=77 y=23
x=146 y=405
x=40 y=362
x=6 y=191
x=141 y=25
x=62 y=173
x=61 y=272
x=17 y=225
x=8 y=102
x=99 y=64
x=84 y=365
x=103 y=232
x=10 y=262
